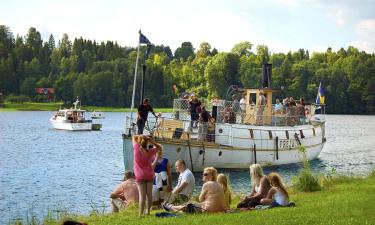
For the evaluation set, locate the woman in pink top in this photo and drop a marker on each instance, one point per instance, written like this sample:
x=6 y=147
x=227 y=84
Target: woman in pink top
x=144 y=173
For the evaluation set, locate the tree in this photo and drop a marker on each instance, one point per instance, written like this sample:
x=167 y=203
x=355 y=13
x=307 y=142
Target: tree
x=221 y=72
x=185 y=51
x=204 y=50
x=242 y=48
x=65 y=46
x=34 y=43
x=6 y=41
x=263 y=55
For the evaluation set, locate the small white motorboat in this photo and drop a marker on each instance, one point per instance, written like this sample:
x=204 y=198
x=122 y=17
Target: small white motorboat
x=73 y=119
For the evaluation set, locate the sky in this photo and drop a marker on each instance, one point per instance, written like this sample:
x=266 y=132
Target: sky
x=282 y=25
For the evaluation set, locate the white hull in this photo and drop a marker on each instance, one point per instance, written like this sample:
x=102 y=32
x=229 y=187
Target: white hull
x=238 y=152
x=61 y=125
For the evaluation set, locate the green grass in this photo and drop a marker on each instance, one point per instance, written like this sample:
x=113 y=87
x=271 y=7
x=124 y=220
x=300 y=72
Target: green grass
x=341 y=201
x=54 y=106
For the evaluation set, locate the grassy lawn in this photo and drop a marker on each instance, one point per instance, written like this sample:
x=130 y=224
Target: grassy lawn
x=54 y=106
x=342 y=201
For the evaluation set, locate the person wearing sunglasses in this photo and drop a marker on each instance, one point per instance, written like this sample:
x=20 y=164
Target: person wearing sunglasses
x=211 y=198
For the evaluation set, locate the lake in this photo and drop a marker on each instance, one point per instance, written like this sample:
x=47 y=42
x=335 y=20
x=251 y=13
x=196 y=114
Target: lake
x=44 y=169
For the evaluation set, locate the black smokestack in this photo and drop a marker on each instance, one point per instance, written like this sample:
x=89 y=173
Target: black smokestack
x=267 y=73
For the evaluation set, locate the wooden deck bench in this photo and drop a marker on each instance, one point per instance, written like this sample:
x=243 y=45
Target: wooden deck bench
x=173 y=129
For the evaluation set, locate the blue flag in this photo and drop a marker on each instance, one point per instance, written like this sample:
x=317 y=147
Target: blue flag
x=320 y=97
x=143 y=39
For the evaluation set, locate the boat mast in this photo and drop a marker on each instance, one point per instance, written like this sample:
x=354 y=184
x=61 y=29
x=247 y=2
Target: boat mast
x=135 y=79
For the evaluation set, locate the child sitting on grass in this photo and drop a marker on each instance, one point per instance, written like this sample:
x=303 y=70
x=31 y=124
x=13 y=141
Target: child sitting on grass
x=223 y=181
x=277 y=195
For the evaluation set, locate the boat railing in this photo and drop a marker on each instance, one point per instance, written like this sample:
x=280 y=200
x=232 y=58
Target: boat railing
x=170 y=128
x=211 y=133
x=235 y=113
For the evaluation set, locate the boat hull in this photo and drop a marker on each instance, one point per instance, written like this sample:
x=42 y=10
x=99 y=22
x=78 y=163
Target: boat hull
x=71 y=126
x=205 y=154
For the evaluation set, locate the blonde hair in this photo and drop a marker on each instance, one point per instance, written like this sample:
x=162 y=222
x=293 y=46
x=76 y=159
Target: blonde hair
x=277 y=181
x=212 y=171
x=143 y=141
x=256 y=172
x=223 y=181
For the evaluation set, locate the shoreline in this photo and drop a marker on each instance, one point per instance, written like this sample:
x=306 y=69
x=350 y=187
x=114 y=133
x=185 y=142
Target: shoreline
x=331 y=205
x=36 y=106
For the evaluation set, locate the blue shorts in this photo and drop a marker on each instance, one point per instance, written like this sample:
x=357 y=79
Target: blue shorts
x=275 y=204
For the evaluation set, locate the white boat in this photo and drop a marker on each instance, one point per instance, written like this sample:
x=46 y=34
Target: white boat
x=97 y=115
x=251 y=136
x=73 y=119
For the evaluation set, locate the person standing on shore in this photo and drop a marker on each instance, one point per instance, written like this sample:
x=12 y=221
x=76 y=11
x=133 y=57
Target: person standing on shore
x=142 y=114
x=143 y=170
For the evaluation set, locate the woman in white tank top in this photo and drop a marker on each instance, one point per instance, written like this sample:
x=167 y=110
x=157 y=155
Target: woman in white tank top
x=277 y=195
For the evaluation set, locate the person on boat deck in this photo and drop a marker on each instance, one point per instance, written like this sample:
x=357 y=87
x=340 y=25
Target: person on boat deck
x=211 y=129
x=125 y=193
x=278 y=107
x=229 y=116
x=195 y=109
x=142 y=114
x=144 y=173
x=292 y=102
x=301 y=108
x=260 y=105
x=277 y=195
x=204 y=116
x=260 y=188
x=162 y=180
x=243 y=107
x=211 y=198
x=236 y=104
x=185 y=184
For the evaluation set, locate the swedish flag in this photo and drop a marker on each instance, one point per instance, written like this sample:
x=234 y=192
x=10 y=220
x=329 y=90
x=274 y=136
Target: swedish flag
x=320 y=97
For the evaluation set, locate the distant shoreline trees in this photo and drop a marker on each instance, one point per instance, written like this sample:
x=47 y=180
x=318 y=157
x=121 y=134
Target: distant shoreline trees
x=102 y=73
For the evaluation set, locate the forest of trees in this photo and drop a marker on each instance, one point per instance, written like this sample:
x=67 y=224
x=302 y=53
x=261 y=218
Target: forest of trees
x=102 y=73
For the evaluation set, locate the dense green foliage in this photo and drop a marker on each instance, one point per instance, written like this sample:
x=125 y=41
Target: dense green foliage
x=102 y=73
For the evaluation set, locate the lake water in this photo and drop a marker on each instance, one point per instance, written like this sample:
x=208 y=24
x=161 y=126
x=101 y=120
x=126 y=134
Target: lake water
x=44 y=169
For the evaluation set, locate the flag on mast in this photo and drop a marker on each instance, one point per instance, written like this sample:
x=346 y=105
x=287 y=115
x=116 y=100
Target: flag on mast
x=143 y=39
x=320 y=97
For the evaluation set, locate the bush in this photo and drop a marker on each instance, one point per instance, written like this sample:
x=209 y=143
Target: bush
x=40 y=98
x=17 y=99
x=306 y=181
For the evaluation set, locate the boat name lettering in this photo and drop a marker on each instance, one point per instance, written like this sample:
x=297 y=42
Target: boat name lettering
x=287 y=144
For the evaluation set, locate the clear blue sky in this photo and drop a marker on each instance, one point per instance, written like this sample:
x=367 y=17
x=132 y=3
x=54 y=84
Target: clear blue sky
x=282 y=25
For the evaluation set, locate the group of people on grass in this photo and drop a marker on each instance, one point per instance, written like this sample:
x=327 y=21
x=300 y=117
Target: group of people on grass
x=151 y=182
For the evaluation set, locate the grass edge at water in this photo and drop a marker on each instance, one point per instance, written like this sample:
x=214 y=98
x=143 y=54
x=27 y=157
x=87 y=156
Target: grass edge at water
x=342 y=200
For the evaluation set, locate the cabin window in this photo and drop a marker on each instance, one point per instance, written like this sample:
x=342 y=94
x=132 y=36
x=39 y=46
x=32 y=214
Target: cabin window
x=314 y=131
x=270 y=134
x=287 y=134
x=252 y=99
x=251 y=133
